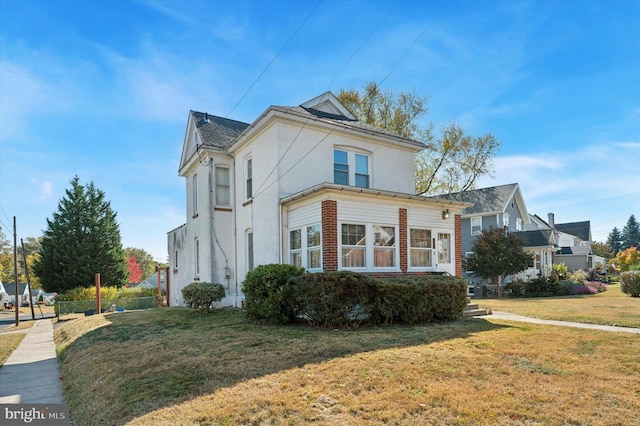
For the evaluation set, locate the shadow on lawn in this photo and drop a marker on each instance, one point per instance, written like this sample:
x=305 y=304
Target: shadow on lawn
x=159 y=358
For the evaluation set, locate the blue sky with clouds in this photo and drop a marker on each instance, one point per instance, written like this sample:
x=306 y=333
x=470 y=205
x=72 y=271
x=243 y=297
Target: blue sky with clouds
x=102 y=90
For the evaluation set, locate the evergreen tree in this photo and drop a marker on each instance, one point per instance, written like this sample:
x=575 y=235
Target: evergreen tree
x=631 y=233
x=614 y=240
x=82 y=239
x=496 y=254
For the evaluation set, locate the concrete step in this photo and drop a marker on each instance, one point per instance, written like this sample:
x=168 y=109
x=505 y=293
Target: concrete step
x=471 y=306
x=476 y=312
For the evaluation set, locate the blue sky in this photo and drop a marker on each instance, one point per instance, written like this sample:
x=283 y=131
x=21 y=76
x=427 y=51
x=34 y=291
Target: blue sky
x=102 y=90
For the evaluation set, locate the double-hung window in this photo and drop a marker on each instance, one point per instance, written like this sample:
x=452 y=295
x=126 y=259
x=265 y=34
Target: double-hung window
x=305 y=247
x=354 y=245
x=476 y=225
x=384 y=246
x=248 y=176
x=420 y=248
x=341 y=167
x=351 y=168
x=223 y=188
x=195 y=194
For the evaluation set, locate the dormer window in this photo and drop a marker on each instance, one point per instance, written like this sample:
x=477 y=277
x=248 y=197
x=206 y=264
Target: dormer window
x=350 y=166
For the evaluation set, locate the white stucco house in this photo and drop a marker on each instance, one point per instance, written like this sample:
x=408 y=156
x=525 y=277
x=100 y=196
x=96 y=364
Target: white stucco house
x=307 y=185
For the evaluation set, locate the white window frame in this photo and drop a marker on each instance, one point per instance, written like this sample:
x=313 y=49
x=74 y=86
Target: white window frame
x=519 y=223
x=505 y=219
x=196 y=249
x=221 y=187
x=249 y=250
x=430 y=250
x=352 y=166
x=194 y=188
x=478 y=226
x=304 y=251
x=248 y=178
x=439 y=251
x=369 y=248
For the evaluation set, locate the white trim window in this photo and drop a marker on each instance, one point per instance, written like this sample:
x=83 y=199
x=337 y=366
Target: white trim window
x=223 y=187
x=384 y=246
x=351 y=166
x=420 y=248
x=306 y=252
x=505 y=219
x=368 y=247
x=196 y=256
x=466 y=256
x=518 y=224
x=249 y=250
x=194 y=187
x=248 y=178
x=444 y=247
x=476 y=225
x=354 y=245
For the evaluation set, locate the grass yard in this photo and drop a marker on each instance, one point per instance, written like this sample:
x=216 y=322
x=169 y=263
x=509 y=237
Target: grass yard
x=8 y=343
x=180 y=367
x=611 y=307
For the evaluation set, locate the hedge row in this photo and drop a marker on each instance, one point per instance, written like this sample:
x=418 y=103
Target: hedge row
x=282 y=294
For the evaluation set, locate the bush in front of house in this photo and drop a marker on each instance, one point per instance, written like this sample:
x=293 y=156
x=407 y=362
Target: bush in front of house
x=347 y=299
x=269 y=294
x=630 y=283
x=335 y=299
x=202 y=295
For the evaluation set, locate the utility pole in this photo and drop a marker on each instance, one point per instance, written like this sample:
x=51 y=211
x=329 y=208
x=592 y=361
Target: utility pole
x=26 y=274
x=16 y=308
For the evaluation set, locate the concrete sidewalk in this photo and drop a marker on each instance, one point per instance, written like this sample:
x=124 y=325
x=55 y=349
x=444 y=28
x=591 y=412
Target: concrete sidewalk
x=513 y=317
x=31 y=375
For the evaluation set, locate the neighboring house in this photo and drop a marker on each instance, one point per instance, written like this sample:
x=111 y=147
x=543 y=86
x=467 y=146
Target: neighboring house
x=503 y=206
x=307 y=185
x=574 y=243
x=4 y=296
x=10 y=290
x=542 y=244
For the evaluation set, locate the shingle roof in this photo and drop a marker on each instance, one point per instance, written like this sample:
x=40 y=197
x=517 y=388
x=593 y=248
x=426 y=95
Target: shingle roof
x=347 y=122
x=581 y=230
x=485 y=200
x=10 y=288
x=217 y=131
x=535 y=238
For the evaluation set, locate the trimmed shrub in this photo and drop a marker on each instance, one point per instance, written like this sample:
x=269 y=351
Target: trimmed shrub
x=269 y=295
x=335 y=299
x=202 y=295
x=346 y=299
x=630 y=283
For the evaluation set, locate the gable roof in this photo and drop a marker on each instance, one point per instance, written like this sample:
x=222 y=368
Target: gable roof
x=10 y=288
x=581 y=230
x=537 y=238
x=492 y=200
x=217 y=132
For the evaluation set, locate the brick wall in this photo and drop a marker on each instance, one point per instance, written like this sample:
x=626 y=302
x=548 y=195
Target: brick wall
x=329 y=235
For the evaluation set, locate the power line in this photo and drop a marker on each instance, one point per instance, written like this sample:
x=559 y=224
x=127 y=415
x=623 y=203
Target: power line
x=413 y=43
x=274 y=58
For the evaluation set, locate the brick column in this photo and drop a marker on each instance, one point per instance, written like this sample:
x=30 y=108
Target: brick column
x=404 y=264
x=329 y=235
x=458 y=242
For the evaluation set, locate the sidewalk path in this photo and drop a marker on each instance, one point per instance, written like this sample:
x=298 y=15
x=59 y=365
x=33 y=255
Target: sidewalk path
x=31 y=375
x=513 y=317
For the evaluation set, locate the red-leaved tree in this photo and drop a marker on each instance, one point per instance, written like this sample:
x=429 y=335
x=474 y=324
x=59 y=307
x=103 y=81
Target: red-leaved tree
x=135 y=271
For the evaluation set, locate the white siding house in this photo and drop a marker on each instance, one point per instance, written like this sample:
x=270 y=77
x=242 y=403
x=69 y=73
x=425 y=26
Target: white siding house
x=307 y=185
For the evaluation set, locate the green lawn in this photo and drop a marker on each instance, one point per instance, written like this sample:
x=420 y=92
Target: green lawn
x=180 y=367
x=611 y=307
